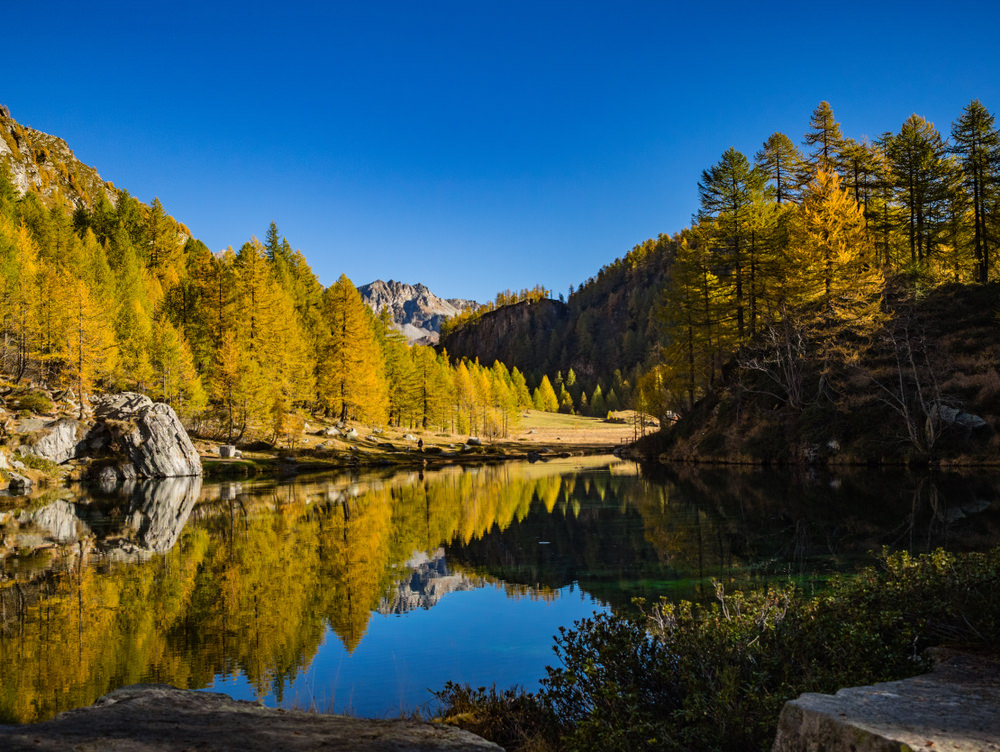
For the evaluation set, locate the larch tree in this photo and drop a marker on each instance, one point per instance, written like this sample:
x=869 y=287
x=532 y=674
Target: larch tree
x=545 y=397
x=91 y=352
x=350 y=375
x=832 y=281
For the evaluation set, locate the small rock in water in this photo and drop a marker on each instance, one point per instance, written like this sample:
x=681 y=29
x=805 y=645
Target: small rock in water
x=18 y=483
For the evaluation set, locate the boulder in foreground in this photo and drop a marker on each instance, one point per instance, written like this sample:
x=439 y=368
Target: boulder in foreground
x=160 y=718
x=955 y=708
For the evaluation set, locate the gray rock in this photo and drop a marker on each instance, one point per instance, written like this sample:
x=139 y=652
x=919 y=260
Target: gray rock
x=151 y=433
x=330 y=431
x=106 y=478
x=409 y=437
x=29 y=425
x=160 y=718
x=955 y=707
x=474 y=441
x=351 y=433
x=59 y=443
x=227 y=451
x=18 y=484
x=953 y=416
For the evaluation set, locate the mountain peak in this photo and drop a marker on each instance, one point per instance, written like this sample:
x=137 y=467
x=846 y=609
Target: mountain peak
x=415 y=310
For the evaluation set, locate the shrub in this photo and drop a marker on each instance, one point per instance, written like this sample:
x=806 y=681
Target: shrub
x=31 y=402
x=716 y=676
x=514 y=719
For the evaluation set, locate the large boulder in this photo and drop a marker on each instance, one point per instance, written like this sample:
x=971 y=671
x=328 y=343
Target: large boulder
x=151 y=434
x=159 y=718
x=952 y=708
x=59 y=442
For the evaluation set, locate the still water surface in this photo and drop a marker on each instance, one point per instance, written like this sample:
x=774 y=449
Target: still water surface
x=361 y=593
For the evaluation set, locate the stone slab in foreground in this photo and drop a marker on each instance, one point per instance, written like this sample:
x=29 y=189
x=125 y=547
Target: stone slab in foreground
x=955 y=708
x=160 y=718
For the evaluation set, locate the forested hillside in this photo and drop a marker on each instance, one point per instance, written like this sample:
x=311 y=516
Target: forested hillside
x=606 y=334
x=101 y=292
x=810 y=287
x=805 y=268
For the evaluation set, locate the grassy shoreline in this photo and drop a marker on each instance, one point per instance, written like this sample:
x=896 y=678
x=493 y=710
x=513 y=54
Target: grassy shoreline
x=541 y=436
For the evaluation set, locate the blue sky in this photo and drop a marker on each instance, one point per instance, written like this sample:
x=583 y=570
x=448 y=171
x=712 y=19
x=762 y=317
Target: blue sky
x=472 y=146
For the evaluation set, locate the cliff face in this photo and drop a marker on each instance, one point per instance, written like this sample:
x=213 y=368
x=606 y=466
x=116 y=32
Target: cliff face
x=416 y=311
x=609 y=323
x=522 y=334
x=47 y=167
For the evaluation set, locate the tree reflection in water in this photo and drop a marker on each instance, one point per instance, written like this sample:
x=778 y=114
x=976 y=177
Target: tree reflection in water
x=182 y=583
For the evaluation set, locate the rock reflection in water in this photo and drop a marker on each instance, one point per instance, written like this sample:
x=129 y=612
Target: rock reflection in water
x=159 y=511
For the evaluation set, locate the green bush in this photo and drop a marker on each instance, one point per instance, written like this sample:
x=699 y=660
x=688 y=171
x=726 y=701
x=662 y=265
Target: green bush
x=715 y=677
x=40 y=463
x=31 y=402
x=514 y=719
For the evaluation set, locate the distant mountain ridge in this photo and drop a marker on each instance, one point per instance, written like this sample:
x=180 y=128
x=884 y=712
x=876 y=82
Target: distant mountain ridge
x=416 y=311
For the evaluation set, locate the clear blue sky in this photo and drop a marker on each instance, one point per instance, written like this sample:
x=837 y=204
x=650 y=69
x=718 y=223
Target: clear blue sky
x=474 y=145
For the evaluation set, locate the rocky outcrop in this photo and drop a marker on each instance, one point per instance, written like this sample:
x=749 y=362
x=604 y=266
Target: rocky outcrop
x=45 y=165
x=416 y=311
x=159 y=718
x=151 y=434
x=956 y=708
x=60 y=441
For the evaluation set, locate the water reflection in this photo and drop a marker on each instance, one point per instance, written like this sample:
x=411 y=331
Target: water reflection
x=261 y=583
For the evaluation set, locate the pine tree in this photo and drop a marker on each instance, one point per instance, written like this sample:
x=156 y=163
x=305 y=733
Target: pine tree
x=977 y=145
x=781 y=160
x=825 y=137
x=731 y=194
x=916 y=159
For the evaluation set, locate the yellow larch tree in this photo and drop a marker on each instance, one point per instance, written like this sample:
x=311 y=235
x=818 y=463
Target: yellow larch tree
x=350 y=372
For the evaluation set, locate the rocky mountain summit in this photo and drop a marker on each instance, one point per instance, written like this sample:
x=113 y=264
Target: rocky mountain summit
x=416 y=311
x=47 y=167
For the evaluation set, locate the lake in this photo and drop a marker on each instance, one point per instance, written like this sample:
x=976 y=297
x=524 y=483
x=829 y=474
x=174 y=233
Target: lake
x=361 y=593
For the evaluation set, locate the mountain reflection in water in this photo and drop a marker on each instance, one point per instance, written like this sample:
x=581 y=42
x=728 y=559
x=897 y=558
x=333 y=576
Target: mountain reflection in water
x=362 y=591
